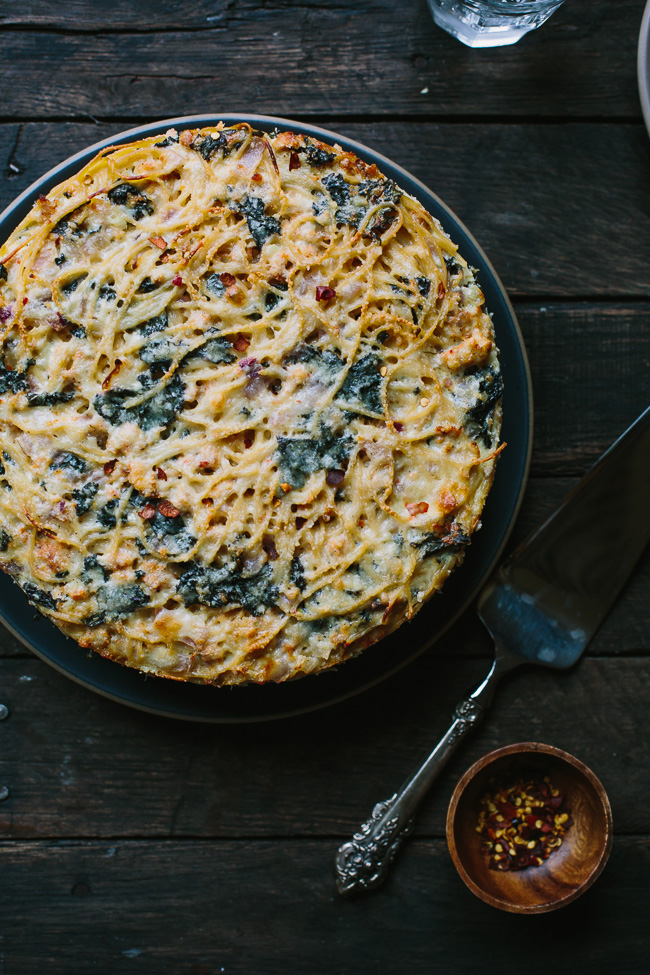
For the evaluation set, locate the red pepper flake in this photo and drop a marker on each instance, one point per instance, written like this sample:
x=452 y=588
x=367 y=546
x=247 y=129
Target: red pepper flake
x=109 y=467
x=160 y=474
x=167 y=509
x=148 y=512
x=268 y=544
x=398 y=426
x=335 y=477
x=114 y=371
x=178 y=281
x=25 y=300
x=241 y=343
x=441 y=290
x=324 y=293
x=257 y=177
x=521 y=824
x=158 y=242
x=227 y=279
x=294 y=161
x=417 y=508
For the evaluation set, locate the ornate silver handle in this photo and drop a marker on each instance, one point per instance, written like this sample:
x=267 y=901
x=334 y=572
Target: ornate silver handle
x=363 y=862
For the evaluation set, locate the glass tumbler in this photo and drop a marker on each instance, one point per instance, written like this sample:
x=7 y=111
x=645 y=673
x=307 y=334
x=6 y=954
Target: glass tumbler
x=491 y=23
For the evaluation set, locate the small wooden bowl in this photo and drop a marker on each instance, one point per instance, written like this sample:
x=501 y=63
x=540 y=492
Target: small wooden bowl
x=570 y=869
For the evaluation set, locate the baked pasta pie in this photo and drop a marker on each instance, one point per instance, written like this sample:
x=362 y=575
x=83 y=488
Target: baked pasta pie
x=249 y=405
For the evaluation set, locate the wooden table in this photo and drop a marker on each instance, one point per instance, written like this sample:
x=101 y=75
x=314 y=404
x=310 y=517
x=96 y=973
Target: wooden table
x=136 y=844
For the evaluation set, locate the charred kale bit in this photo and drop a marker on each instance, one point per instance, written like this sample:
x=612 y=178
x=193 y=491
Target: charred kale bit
x=225 y=586
x=261 y=227
x=158 y=411
x=270 y=300
x=169 y=140
x=107 y=293
x=316 y=156
x=61 y=259
x=435 y=543
x=160 y=350
x=380 y=191
x=50 y=399
x=363 y=383
x=12 y=381
x=156 y=324
x=84 y=497
x=214 y=284
x=71 y=286
x=453 y=267
x=3 y=272
x=300 y=457
x=64 y=460
x=297 y=573
x=217 y=350
x=324 y=359
x=424 y=285
x=4 y=540
x=106 y=515
x=490 y=391
x=206 y=146
x=39 y=596
x=146 y=286
x=93 y=570
x=339 y=189
x=116 y=602
x=124 y=194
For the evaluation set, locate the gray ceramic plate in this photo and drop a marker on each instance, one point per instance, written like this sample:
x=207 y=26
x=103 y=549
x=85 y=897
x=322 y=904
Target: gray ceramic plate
x=241 y=704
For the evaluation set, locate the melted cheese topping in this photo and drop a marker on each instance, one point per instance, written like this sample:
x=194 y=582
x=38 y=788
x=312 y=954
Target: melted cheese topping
x=249 y=405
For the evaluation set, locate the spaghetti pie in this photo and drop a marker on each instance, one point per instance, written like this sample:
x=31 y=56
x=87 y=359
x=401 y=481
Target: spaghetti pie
x=249 y=405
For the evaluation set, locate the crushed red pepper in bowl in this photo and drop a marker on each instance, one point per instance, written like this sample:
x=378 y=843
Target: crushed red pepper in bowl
x=522 y=823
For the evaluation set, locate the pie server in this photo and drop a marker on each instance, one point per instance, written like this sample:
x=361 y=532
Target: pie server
x=541 y=607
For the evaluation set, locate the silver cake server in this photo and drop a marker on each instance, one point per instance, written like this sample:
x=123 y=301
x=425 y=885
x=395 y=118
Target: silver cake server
x=541 y=607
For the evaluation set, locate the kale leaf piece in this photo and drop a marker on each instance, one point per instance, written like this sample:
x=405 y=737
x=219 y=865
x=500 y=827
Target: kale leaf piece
x=93 y=570
x=261 y=227
x=437 y=543
x=72 y=285
x=490 y=391
x=124 y=194
x=424 y=285
x=50 y=399
x=107 y=293
x=316 y=156
x=324 y=359
x=301 y=456
x=3 y=272
x=4 y=540
x=160 y=410
x=339 y=189
x=156 y=324
x=217 y=350
x=221 y=587
x=165 y=532
x=169 y=140
x=214 y=284
x=297 y=573
x=84 y=497
x=206 y=146
x=116 y=603
x=380 y=191
x=363 y=383
x=39 y=596
x=158 y=351
x=106 y=515
x=453 y=267
x=64 y=460
x=12 y=381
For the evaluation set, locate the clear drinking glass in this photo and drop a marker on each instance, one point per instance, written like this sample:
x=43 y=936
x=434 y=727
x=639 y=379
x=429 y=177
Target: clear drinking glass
x=491 y=23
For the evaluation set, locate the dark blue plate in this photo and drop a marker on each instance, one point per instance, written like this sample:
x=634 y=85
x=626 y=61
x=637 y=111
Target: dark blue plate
x=253 y=703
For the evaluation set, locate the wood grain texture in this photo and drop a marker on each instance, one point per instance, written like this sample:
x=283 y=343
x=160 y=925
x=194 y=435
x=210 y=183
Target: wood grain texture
x=542 y=200
x=225 y=907
x=78 y=765
x=315 y=58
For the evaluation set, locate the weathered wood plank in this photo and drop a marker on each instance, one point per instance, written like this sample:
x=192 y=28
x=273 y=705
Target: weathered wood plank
x=315 y=58
x=270 y=907
x=78 y=765
x=538 y=198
